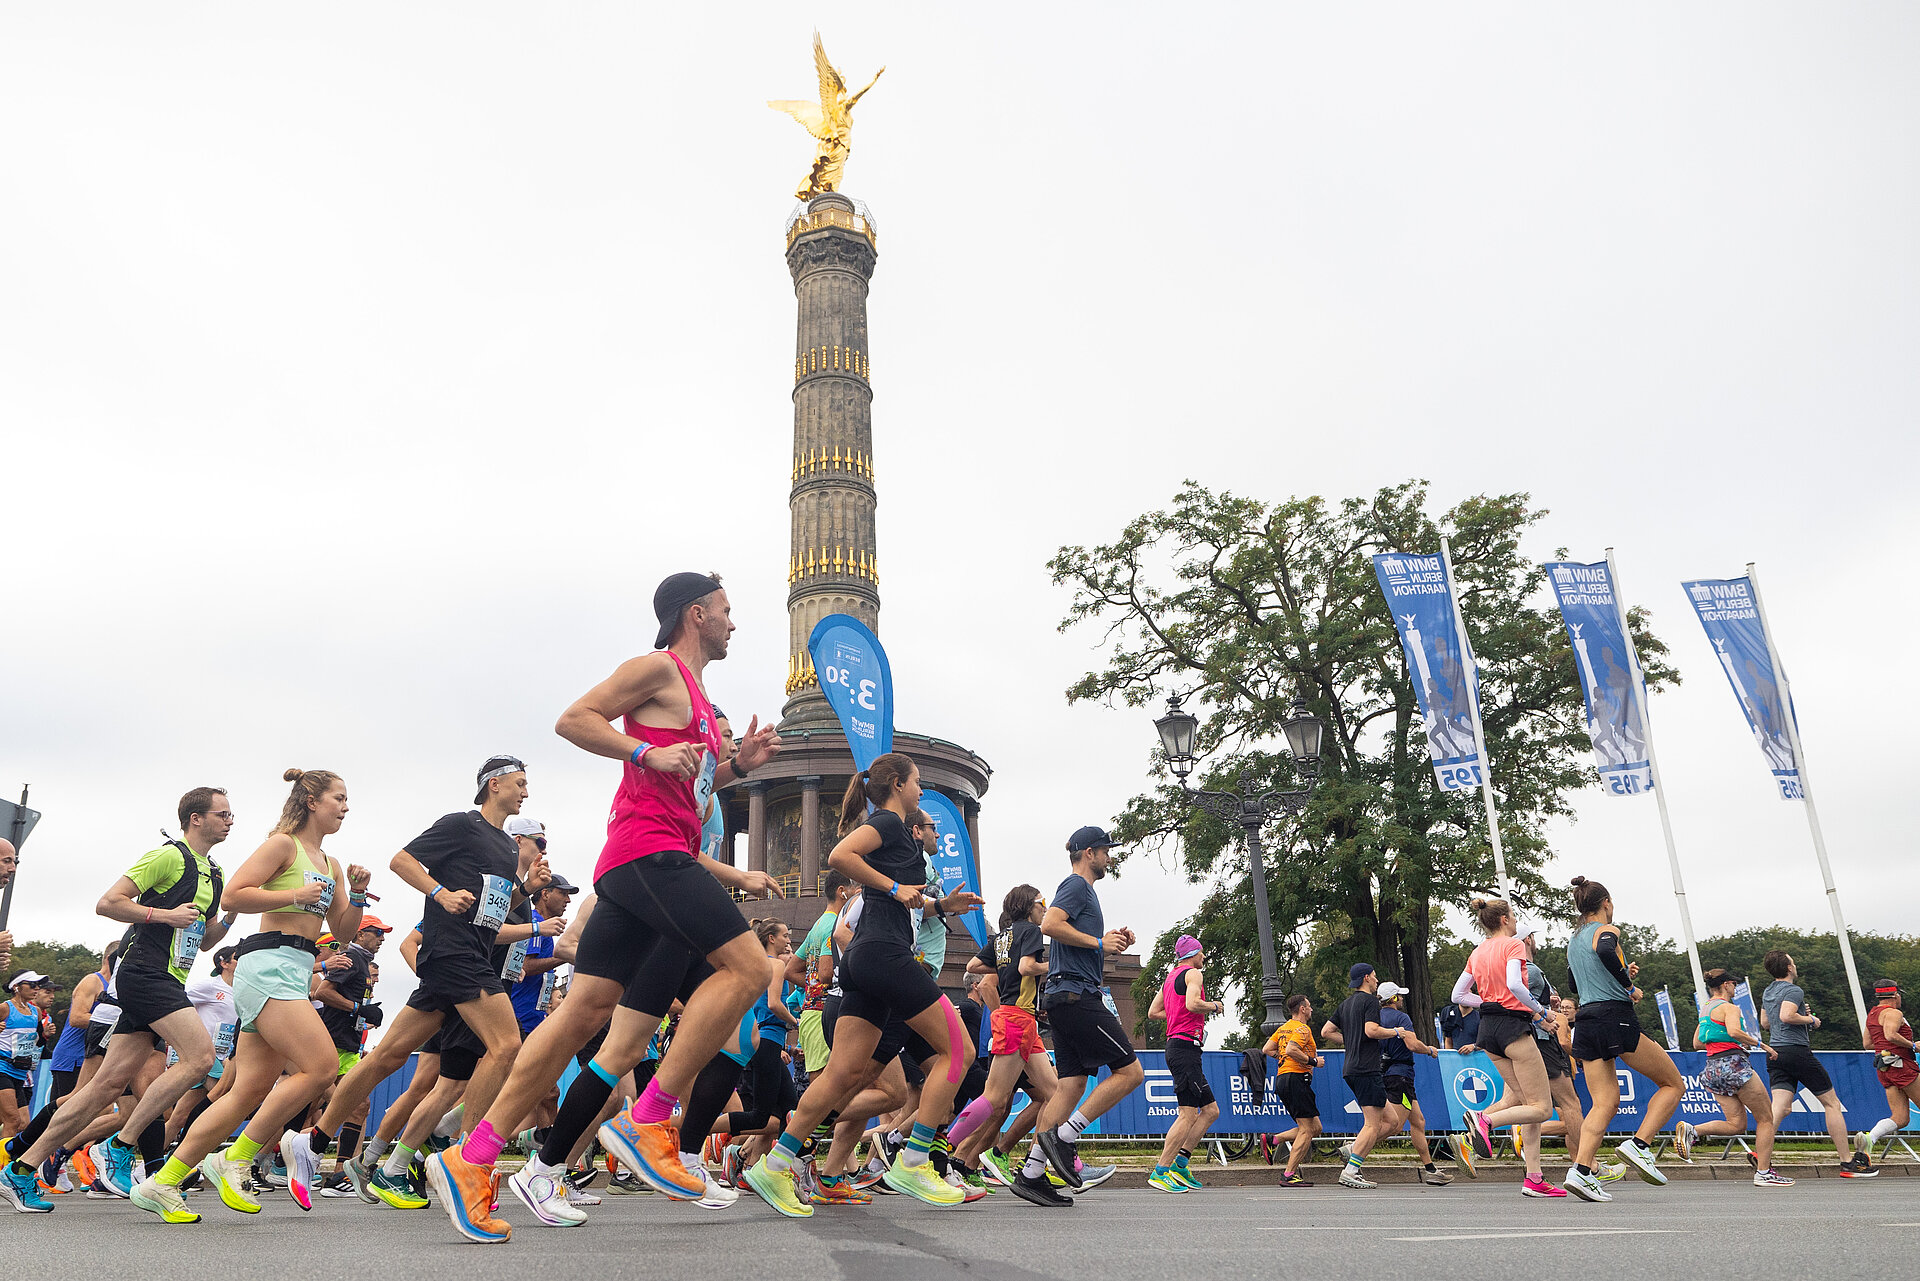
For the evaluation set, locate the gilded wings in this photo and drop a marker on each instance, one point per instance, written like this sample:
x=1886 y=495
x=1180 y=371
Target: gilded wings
x=830 y=121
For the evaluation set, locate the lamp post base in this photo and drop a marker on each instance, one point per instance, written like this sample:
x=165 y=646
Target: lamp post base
x=1274 y=995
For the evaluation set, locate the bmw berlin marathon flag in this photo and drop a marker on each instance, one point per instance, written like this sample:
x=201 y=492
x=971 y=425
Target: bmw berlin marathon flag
x=1592 y=615
x=1731 y=616
x=858 y=683
x=1438 y=663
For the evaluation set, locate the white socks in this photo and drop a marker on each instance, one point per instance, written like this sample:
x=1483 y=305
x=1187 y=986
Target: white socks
x=1075 y=1126
x=1885 y=1127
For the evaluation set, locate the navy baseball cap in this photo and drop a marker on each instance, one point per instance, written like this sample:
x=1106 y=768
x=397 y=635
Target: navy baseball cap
x=1090 y=838
x=1358 y=974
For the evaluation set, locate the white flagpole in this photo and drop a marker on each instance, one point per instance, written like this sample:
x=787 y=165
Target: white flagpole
x=1806 y=795
x=1472 y=670
x=1638 y=692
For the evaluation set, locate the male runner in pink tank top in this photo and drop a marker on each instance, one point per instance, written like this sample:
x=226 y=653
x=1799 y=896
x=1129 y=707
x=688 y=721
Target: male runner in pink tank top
x=656 y=894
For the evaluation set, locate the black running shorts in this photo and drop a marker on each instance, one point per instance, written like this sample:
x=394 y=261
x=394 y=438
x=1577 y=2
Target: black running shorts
x=898 y=1041
x=1605 y=1030
x=1370 y=1088
x=453 y=981
x=1501 y=1028
x=145 y=997
x=433 y=1042
x=666 y=896
x=1086 y=1035
x=1190 y=1088
x=1401 y=1091
x=1295 y=1092
x=461 y=1048
x=1554 y=1057
x=1794 y=1068
x=879 y=980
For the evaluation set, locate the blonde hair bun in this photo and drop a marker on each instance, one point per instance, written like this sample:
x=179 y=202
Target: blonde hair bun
x=292 y=775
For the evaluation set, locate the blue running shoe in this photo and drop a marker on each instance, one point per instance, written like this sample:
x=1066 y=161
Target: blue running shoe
x=23 y=1189
x=115 y=1160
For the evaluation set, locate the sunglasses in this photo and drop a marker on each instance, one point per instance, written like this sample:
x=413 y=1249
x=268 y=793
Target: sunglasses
x=539 y=842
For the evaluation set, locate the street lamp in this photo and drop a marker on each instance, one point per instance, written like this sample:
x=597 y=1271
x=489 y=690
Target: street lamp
x=1303 y=732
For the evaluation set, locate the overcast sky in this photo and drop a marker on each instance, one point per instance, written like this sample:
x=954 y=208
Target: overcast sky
x=363 y=368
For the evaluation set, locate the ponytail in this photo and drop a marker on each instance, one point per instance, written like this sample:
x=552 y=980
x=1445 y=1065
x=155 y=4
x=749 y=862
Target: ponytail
x=873 y=786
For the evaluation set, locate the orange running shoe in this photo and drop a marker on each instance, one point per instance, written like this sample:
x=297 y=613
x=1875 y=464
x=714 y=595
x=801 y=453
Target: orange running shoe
x=82 y=1163
x=841 y=1192
x=652 y=1151
x=466 y=1192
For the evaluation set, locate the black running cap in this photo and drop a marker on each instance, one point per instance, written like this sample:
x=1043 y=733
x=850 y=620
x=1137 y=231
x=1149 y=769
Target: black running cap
x=673 y=595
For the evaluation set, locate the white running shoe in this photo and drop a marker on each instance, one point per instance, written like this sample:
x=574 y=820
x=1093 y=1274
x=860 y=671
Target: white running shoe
x=1640 y=1157
x=580 y=1198
x=542 y=1190
x=718 y=1195
x=1683 y=1140
x=1586 y=1187
x=303 y=1167
x=1771 y=1178
x=1352 y=1178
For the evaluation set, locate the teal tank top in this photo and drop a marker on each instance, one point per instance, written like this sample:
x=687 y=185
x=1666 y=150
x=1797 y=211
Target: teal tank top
x=1591 y=977
x=1712 y=1032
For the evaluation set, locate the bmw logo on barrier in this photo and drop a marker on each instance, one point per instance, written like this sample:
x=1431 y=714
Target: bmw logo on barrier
x=1474 y=1088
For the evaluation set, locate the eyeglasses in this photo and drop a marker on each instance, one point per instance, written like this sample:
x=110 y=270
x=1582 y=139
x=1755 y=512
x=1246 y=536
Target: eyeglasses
x=221 y=814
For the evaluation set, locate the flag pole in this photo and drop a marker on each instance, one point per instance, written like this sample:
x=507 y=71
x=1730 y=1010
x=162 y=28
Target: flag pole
x=1637 y=690
x=1806 y=796
x=1472 y=670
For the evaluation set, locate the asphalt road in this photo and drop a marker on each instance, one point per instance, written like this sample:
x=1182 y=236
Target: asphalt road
x=1697 y=1231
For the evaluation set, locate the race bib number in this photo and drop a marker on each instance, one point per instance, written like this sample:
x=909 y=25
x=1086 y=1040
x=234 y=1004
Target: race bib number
x=223 y=1041
x=547 y=981
x=703 y=786
x=490 y=910
x=173 y=1056
x=516 y=963
x=186 y=943
x=1106 y=999
x=325 y=904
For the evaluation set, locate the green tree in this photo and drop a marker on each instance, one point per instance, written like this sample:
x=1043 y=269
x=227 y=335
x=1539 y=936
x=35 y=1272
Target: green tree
x=1244 y=605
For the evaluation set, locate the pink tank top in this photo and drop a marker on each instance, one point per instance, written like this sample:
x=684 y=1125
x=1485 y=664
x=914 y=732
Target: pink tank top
x=1188 y=1025
x=655 y=812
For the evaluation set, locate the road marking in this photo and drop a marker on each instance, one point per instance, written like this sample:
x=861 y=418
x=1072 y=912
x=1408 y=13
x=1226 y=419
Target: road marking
x=1554 y=1232
x=1900 y=1225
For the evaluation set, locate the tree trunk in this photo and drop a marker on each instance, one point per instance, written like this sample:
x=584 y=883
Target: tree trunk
x=1419 y=973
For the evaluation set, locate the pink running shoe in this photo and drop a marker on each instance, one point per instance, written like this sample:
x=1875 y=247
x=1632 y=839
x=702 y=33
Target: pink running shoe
x=1535 y=1186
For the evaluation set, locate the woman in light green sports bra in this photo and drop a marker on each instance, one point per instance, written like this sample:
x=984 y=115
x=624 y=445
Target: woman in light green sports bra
x=294 y=885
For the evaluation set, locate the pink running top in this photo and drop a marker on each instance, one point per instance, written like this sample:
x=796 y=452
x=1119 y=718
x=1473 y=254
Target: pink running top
x=655 y=812
x=1186 y=1024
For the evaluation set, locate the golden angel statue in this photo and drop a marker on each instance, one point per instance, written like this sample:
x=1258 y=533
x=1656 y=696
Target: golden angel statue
x=830 y=121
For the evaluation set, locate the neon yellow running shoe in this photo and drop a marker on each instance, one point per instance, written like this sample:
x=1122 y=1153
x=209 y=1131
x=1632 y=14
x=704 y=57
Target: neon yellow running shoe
x=921 y=1183
x=224 y=1176
x=395 y=1191
x=163 y=1200
x=777 y=1189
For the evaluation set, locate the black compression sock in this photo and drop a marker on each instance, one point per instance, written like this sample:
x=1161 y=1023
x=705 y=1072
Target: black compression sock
x=585 y=1098
x=153 y=1145
x=1583 y=1169
x=1427 y=1166
x=319 y=1141
x=35 y=1128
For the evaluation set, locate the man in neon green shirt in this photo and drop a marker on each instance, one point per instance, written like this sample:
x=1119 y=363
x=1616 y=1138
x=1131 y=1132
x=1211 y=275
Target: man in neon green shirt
x=168 y=898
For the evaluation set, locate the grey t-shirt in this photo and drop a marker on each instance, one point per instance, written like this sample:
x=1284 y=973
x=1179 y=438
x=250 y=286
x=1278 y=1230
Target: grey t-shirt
x=1077 y=969
x=1542 y=992
x=1782 y=1033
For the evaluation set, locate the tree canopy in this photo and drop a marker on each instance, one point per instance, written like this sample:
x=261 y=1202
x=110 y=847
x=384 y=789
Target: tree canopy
x=1244 y=605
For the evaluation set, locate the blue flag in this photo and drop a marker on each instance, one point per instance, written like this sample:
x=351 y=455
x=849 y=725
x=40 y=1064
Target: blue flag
x=1667 y=1022
x=1438 y=663
x=857 y=682
x=1732 y=620
x=1614 y=723
x=953 y=856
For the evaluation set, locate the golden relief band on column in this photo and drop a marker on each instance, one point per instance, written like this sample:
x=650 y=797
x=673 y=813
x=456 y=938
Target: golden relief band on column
x=800 y=671
x=836 y=359
x=848 y=561
x=819 y=464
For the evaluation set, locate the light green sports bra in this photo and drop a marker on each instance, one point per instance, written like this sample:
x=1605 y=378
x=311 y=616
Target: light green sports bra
x=304 y=868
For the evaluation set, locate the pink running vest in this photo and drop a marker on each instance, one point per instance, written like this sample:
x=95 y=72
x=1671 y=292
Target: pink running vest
x=654 y=812
x=1188 y=1025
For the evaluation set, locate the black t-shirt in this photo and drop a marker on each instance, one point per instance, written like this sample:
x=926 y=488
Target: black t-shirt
x=344 y=1025
x=973 y=1018
x=465 y=852
x=1363 y=1057
x=885 y=919
x=1022 y=938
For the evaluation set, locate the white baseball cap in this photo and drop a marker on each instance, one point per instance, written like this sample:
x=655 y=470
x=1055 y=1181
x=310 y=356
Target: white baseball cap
x=1390 y=989
x=29 y=976
x=1523 y=926
x=521 y=825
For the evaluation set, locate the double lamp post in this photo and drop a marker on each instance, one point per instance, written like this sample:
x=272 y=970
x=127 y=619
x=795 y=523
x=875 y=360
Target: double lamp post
x=1178 y=729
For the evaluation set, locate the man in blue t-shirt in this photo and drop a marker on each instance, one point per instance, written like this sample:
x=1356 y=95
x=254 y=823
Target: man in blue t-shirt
x=1087 y=1035
x=533 y=991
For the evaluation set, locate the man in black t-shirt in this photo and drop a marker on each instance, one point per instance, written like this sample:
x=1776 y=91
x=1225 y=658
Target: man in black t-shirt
x=469 y=869
x=341 y=992
x=1356 y=1025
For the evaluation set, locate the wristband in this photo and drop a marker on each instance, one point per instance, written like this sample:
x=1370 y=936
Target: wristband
x=358 y=900
x=739 y=770
x=149 y=920
x=638 y=752
x=434 y=893
x=893 y=890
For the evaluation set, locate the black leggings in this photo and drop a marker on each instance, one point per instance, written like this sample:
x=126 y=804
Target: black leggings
x=707 y=1099
x=769 y=1087
x=63 y=1082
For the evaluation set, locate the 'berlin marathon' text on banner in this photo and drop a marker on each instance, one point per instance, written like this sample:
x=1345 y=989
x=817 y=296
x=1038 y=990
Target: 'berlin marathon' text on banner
x=1732 y=619
x=1437 y=663
x=1587 y=606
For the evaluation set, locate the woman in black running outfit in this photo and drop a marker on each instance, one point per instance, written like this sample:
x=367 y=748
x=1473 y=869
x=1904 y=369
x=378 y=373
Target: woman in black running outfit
x=879 y=981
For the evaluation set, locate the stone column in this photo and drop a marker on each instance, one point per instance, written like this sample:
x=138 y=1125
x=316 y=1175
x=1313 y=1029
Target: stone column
x=756 y=827
x=833 y=557
x=810 y=834
x=970 y=811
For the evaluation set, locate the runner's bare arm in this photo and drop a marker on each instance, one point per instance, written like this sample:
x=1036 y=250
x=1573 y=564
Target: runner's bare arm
x=327 y=994
x=739 y=878
x=567 y=946
x=850 y=856
x=118 y=904
x=412 y=871
x=1331 y=1034
x=1158 y=1010
x=757 y=748
x=275 y=855
x=410 y=950
x=588 y=724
